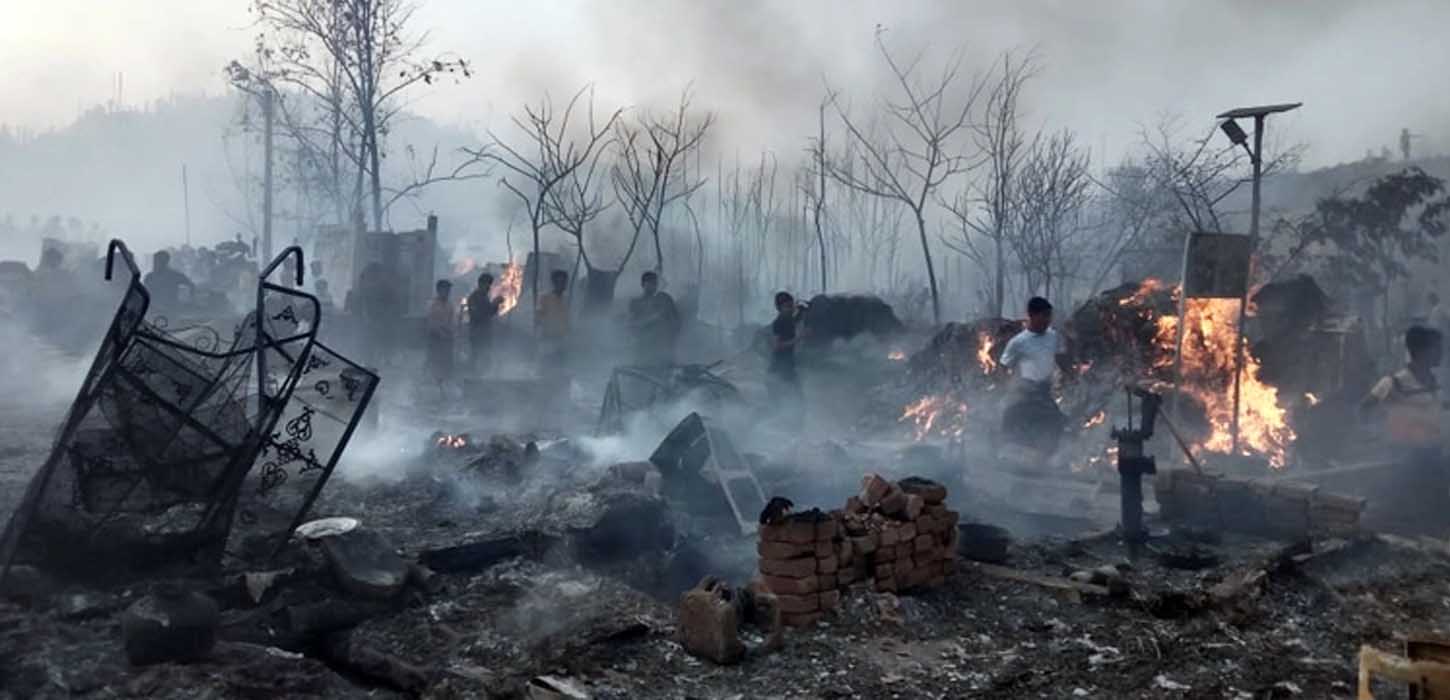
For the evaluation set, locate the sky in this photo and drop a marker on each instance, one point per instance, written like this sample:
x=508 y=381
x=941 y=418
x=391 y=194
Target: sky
x=1363 y=69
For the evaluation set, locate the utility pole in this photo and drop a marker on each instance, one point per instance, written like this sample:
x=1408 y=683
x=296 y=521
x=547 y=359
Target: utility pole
x=186 y=203
x=268 y=119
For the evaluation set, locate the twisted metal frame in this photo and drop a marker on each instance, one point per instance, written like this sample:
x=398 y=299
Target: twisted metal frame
x=167 y=425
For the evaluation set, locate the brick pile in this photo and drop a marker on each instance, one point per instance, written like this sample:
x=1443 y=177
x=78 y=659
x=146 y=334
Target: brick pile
x=892 y=537
x=1266 y=507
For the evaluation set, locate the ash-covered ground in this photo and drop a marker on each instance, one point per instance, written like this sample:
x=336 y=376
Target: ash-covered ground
x=541 y=590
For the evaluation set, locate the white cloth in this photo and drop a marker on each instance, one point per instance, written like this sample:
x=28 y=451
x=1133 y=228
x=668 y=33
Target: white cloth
x=1033 y=355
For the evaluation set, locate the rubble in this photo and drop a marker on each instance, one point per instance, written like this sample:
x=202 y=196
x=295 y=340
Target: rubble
x=170 y=625
x=364 y=564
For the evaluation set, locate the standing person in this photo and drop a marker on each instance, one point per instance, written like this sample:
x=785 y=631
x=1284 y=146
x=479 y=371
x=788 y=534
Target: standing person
x=1032 y=417
x=440 y=336
x=481 y=312
x=165 y=283
x=782 y=380
x=1410 y=407
x=656 y=323
x=552 y=322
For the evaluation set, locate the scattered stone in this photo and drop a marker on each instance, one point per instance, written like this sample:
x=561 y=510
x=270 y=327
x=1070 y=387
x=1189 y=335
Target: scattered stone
x=86 y=605
x=25 y=584
x=170 y=625
x=365 y=565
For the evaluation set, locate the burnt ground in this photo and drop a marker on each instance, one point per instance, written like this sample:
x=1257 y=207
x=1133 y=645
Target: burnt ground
x=1293 y=632
x=487 y=635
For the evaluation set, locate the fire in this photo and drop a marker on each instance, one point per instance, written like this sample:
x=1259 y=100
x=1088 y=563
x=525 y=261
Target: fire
x=1096 y=420
x=453 y=442
x=896 y=356
x=936 y=414
x=1150 y=286
x=1312 y=399
x=1207 y=373
x=508 y=287
x=984 y=353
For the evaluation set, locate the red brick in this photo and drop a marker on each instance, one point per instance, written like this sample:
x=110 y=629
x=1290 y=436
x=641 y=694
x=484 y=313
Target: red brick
x=903 y=552
x=792 y=586
x=884 y=571
x=886 y=585
x=935 y=509
x=925 y=543
x=830 y=599
x=865 y=544
x=906 y=532
x=801 y=619
x=829 y=565
x=894 y=504
x=886 y=553
x=823 y=549
x=914 y=504
x=791 y=531
x=845 y=552
x=799 y=603
x=789 y=568
x=830 y=582
x=826 y=530
x=783 y=550
x=855 y=525
x=889 y=535
x=873 y=489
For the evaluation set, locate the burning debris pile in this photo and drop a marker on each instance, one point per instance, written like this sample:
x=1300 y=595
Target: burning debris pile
x=1126 y=335
x=894 y=537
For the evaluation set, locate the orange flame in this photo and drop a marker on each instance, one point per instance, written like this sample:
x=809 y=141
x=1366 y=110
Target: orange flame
x=1207 y=373
x=984 y=353
x=936 y=414
x=453 y=442
x=1097 y=419
x=508 y=287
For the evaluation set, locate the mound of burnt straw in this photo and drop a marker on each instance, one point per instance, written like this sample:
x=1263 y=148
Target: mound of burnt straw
x=891 y=537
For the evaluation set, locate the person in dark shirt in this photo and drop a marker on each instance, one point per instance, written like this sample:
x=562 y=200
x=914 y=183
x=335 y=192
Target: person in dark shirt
x=655 y=322
x=165 y=284
x=782 y=380
x=481 y=312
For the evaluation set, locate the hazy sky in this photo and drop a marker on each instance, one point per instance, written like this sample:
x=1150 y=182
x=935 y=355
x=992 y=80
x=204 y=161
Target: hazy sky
x=1364 y=69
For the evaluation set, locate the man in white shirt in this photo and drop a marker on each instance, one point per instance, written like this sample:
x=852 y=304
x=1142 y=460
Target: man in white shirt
x=1032 y=416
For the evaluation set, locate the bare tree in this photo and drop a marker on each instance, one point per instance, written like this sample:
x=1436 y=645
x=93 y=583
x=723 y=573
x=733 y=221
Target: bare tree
x=918 y=153
x=813 y=184
x=1052 y=193
x=983 y=238
x=357 y=59
x=555 y=156
x=1173 y=188
x=649 y=174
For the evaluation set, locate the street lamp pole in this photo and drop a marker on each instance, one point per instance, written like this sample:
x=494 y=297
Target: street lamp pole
x=1256 y=153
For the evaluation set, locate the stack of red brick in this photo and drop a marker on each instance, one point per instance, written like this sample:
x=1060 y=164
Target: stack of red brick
x=893 y=537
